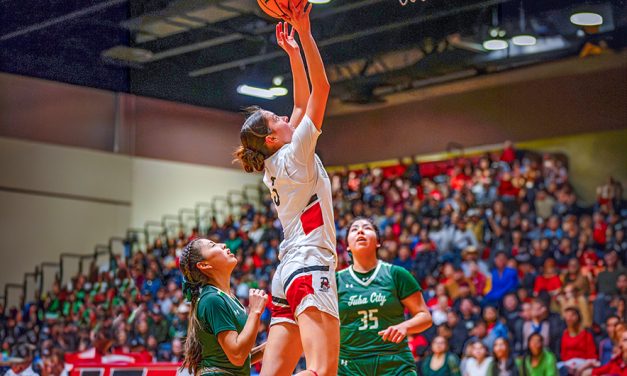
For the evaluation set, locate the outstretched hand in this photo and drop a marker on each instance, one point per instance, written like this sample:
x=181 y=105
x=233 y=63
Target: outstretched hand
x=285 y=38
x=298 y=16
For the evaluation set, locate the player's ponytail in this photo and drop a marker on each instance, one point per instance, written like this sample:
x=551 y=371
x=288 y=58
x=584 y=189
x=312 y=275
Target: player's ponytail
x=250 y=159
x=193 y=282
x=253 y=151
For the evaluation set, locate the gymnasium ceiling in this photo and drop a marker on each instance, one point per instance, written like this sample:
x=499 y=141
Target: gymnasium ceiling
x=199 y=51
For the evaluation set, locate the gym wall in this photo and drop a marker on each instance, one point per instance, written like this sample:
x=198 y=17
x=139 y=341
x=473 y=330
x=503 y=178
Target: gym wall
x=518 y=105
x=593 y=158
x=57 y=199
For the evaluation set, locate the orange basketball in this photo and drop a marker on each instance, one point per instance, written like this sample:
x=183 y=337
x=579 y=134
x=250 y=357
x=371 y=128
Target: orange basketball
x=277 y=8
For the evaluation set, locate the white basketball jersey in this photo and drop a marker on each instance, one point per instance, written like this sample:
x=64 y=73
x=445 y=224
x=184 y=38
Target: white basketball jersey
x=301 y=191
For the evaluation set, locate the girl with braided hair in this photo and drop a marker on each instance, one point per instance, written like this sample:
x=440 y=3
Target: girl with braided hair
x=220 y=335
x=304 y=294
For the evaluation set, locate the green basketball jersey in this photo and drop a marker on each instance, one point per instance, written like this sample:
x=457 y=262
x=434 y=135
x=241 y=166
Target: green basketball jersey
x=370 y=303
x=219 y=312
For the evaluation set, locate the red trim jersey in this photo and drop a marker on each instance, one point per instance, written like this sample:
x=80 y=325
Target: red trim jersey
x=301 y=191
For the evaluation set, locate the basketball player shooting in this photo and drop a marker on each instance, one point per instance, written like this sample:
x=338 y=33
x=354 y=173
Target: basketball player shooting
x=304 y=293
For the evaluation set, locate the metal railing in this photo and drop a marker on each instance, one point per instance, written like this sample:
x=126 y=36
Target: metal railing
x=185 y=216
x=10 y=286
x=171 y=223
x=98 y=251
x=220 y=206
x=154 y=230
x=258 y=189
x=42 y=275
x=34 y=275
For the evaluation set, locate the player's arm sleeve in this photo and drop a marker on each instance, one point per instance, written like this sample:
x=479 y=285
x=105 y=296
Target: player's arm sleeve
x=304 y=139
x=405 y=283
x=215 y=315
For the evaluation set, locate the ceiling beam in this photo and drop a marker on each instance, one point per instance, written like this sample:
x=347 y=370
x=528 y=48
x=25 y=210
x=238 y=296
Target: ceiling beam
x=262 y=30
x=57 y=20
x=347 y=37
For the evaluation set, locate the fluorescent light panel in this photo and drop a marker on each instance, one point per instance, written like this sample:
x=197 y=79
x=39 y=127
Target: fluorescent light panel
x=255 y=92
x=524 y=40
x=278 y=91
x=586 y=19
x=495 y=44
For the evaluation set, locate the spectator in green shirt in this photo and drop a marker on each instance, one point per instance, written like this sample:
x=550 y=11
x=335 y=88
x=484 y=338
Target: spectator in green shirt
x=538 y=361
x=220 y=335
x=441 y=362
x=158 y=325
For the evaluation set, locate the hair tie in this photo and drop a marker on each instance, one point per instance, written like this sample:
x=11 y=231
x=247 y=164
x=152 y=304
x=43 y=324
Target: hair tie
x=190 y=289
x=255 y=153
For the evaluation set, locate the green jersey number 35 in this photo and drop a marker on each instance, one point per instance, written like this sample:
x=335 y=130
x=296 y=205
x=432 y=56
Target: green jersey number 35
x=369 y=319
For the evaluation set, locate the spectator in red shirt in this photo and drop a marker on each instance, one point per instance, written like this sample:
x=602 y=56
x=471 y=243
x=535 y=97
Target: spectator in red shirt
x=417 y=345
x=440 y=290
x=259 y=259
x=507 y=189
x=195 y=234
x=458 y=179
x=478 y=279
x=549 y=281
x=600 y=230
x=424 y=244
x=578 y=346
x=509 y=153
x=618 y=364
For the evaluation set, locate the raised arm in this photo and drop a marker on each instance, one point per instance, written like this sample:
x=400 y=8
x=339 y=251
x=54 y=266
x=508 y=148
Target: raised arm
x=286 y=41
x=299 y=18
x=238 y=346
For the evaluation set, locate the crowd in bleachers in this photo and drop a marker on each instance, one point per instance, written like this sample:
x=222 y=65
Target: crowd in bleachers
x=513 y=270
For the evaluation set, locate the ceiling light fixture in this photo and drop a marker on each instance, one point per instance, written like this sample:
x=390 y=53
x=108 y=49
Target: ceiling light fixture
x=495 y=41
x=495 y=44
x=586 y=19
x=277 y=80
x=278 y=91
x=524 y=40
x=255 y=92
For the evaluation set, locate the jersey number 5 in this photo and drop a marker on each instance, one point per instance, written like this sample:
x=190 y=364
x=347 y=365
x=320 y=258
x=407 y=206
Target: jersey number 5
x=275 y=193
x=367 y=317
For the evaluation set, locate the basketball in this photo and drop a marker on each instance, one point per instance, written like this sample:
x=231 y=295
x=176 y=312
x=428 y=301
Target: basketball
x=277 y=8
